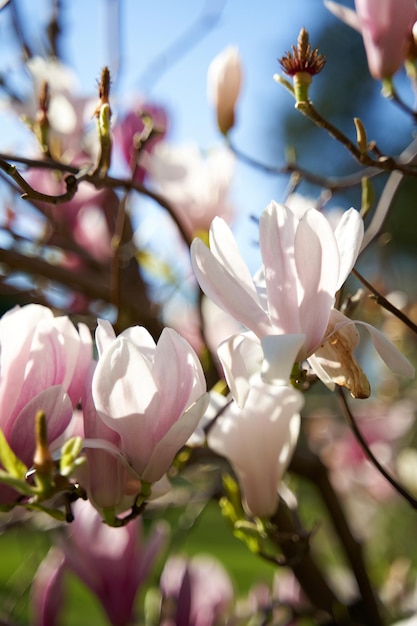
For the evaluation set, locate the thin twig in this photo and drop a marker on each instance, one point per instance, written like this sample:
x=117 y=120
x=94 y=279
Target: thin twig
x=332 y=184
x=360 y=439
x=386 y=304
x=383 y=163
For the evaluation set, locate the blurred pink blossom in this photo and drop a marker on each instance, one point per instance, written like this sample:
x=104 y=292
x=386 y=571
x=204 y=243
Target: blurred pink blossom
x=195 y=592
x=129 y=128
x=47 y=593
x=386 y=27
x=197 y=186
x=112 y=562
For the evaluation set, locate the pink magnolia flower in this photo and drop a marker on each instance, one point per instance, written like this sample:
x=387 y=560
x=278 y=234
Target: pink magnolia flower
x=112 y=562
x=129 y=129
x=258 y=432
x=43 y=363
x=224 y=81
x=197 y=187
x=195 y=592
x=151 y=395
x=386 y=28
x=305 y=263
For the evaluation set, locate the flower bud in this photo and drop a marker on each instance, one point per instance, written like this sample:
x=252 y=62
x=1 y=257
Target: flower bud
x=224 y=80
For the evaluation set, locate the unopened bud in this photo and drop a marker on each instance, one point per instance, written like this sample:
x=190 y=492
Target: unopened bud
x=224 y=80
x=42 y=461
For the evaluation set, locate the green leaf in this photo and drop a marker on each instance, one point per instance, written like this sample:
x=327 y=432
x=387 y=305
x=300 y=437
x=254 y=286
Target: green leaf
x=69 y=455
x=9 y=460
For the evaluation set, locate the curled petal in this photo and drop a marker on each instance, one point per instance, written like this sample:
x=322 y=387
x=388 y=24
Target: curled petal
x=335 y=358
x=391 y=356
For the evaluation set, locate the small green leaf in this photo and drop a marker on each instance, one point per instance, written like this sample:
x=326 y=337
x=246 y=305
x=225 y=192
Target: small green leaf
x=9 y=460
x=69 y=455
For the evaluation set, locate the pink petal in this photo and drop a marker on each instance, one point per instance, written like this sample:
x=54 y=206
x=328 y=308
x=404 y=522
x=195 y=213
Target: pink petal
x=227 y=290
x=165 y=450
x=16 y=334
x=317 y=261
x=179 y=376
x=105 y=335
x=56 y=405
x=277 y=229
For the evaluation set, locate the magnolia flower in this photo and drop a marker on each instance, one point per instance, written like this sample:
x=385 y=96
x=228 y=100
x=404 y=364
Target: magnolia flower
x=112 y=562
x=305 y=263
x=195 y=592
x=43 y=363
x=151 y=395
x=258 y=433
x=196 y=187
x=224 y=80
x=386 y=28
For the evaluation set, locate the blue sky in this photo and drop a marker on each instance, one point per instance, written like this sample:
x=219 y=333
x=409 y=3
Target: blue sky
x=262 y=30
x=150 y=31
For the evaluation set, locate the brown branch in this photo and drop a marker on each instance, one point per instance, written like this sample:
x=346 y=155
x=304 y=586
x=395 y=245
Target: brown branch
x=383 y=163
x=308 y=465
x=332 y=184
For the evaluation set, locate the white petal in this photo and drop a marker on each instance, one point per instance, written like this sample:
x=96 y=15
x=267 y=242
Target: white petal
x=280 y=352
x=391 y=356
x=349 y=235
